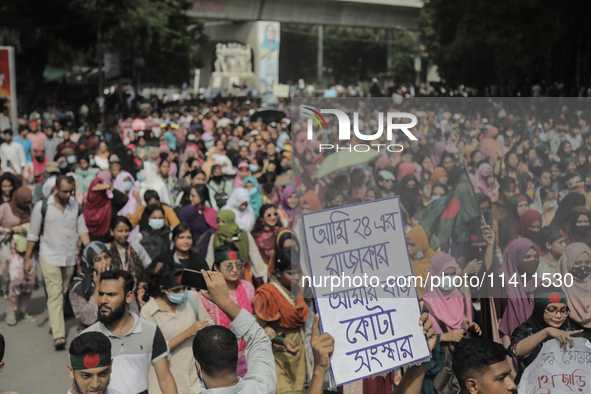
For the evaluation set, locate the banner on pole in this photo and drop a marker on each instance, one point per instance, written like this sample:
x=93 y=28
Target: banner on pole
x=8 y=85
x=112 y=66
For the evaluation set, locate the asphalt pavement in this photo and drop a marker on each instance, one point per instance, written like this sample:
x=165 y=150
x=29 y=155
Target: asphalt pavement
x=32 y=365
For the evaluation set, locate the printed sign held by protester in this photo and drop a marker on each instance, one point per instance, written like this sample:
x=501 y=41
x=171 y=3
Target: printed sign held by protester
x=556 y=371
x=361 y=276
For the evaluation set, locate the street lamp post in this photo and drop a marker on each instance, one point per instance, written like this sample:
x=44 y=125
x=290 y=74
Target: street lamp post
x=101 y=94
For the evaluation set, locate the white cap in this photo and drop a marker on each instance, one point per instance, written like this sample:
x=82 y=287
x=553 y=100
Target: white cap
x=387 y=175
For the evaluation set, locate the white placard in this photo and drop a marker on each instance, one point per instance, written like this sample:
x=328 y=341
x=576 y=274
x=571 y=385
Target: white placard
x=375 y=326
x=556 y=371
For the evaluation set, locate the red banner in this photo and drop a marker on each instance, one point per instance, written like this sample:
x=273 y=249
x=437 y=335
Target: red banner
x=7 y=82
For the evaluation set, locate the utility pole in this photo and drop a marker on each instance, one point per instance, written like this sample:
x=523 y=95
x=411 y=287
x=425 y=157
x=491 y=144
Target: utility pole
x=100 y=64
x=320 y=51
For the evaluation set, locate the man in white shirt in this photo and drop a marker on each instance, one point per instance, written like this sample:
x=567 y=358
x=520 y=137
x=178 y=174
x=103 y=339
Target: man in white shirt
x=574 y=136
x=12 y=155
x=5 y=123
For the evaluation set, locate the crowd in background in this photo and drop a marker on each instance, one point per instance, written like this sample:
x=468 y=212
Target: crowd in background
x=209 y=184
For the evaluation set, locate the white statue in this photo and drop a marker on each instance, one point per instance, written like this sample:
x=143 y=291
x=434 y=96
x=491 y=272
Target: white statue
x=233 y=58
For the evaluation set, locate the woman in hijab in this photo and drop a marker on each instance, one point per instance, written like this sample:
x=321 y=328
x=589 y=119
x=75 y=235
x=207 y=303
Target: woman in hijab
x=251 y=184
x=570 y=201
x=485 y=180
x=239 y=203
x=310 y=202
x=17 y=285
x=420 y=254
x=124 y=182
x=311 y=183
x=409 y=195
x=229 y=232
x=576 y=261
x=547 y=321
x=450 y=311
x=509 y=225
x=565 y=150
x=437 y=152
x=546 y=204
x=492 y=144
x=520 y=258
x=578 y=228
x=83 y=290
x=85 y=174
x=530 y=224
x=102 y=204
x=199 y=216
x=405 y=169
x=290 y=205
x=39 y=162
x=439 y=176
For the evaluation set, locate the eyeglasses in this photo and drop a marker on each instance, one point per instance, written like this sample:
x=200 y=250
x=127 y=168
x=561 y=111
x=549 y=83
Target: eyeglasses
x=230 y=267
x=563 y=311
x=271 y=215
x=101 y=259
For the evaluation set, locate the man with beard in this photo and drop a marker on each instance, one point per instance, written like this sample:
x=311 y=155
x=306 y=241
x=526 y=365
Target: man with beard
x=56 y=223
x=135 y=343
x=90 y=364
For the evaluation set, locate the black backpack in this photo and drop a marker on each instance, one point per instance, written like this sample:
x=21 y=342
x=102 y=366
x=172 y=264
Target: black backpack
x=44 y=212
x=221 y=197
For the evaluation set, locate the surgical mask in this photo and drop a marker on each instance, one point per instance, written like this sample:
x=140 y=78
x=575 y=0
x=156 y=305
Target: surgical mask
x=419 y=255
x=252 y=191
x=127 y=185
x=433 y=198
x=177 y=298
x=530 y=266
x=582 y=230
x=447 y=284
x=140 y=177
x=71 y=159
x=156 y=224
x=91 y=162
x=191 y=137
x=285 y=167
x=63 y=165
x=253 y=167
x=209 y=144
x=581 y=272
x=553 y=204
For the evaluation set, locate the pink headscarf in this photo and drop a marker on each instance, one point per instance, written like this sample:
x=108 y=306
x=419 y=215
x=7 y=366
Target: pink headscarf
x=405 y=169
x=437 y=153
x=481 y=184
x=520 y=298
x=448 y=306
x=190 y=148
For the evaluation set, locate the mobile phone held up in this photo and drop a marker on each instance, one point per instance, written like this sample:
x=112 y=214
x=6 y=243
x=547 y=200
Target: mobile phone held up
x=192 y=278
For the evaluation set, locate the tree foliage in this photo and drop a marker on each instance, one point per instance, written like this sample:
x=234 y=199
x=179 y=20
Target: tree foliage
x=63 y=33
x=514 y=43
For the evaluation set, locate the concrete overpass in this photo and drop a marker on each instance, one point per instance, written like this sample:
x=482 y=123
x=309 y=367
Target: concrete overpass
x=379 y=14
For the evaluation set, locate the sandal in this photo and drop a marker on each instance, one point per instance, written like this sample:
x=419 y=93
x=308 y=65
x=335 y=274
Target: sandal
x=59 y=343
x=28 y=318
x=10 y=318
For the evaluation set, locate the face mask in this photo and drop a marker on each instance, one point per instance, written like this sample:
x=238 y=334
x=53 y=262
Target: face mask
x=285 y=168
x=252 y=192
x=582 y=230
x=127 y=185
x=253 y=167
x=71 y=159
x=140 y=177
x=177 y=298
x=191 y=137
x=537 y=171
x=581 y=272
x=531 y=266
x=208 y=144
x=217 y=178
x=39 y=158
x=419 y=255
x=553 y=204
x=63 y=165
x=156 y=224
x=91 y=162
x=433 y=198
x=447 y=284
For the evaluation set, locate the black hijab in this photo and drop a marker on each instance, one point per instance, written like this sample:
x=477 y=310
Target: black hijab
x=570 y=201
x=82 y=284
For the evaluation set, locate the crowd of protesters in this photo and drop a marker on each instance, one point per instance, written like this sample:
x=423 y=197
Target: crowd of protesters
x=111 y=218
